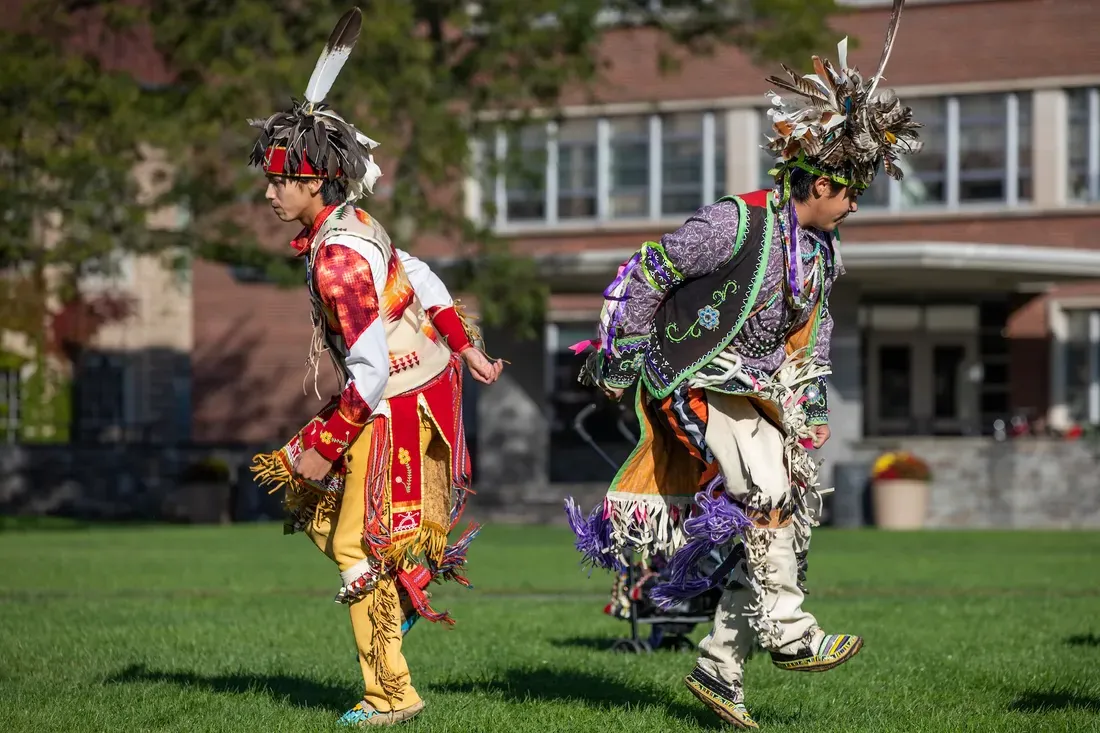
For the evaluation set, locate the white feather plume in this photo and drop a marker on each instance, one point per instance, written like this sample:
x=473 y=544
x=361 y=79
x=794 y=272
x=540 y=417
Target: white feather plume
x=334 y=55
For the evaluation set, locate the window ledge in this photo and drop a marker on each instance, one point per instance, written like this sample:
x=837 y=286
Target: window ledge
x=874 y=216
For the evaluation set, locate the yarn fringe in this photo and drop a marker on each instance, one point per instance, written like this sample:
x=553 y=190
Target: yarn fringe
x=627 y=523
x=301 y=501
x=717 y=521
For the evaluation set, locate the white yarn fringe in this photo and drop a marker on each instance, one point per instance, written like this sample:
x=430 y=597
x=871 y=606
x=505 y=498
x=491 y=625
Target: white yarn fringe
x=645 y=524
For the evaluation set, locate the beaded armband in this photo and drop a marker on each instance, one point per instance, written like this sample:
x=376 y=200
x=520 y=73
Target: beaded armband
x=817 y=402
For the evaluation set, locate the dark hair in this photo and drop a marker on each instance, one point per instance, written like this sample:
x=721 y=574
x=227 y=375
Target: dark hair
x=802 y=184
x=333 y=191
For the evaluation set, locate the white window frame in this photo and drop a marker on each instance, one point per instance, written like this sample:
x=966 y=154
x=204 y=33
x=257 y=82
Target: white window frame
x=952 y=171
x=1058 y=316
x=1092 y=141
x=710 y=121
x=739 y=164
x=12 y=388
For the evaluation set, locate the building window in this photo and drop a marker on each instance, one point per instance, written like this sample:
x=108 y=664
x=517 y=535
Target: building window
x=982 y=146
x=1084 y=144
x=9 y=405
x=926 y=180
x=525 y=180
x=1080 y=374
x=577 y=165
x=681 y=163
x=596 y=169
x=994 y=138
x=101 y=384
x=977 y=150
x=629 y=167
x=719 y=166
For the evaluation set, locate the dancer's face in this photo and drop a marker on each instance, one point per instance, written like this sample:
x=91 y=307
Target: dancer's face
x=830 y=204
x=290 y=198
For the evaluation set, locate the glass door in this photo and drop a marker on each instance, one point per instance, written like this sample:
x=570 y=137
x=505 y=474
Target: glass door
x=922 y=383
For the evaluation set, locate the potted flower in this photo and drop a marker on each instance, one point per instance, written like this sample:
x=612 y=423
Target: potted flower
x=899 y=485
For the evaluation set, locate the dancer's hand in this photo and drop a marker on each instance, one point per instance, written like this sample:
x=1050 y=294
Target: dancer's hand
x=312 y=466
x=612 y=394
x=821 y=433
x=481 y=368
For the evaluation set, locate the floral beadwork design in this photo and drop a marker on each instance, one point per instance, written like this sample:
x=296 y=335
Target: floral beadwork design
x=708 y=317
x=405 y=459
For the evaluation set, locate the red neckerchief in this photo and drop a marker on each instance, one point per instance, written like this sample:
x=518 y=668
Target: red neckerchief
x=300 y=244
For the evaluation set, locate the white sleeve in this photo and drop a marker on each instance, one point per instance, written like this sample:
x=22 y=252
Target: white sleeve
x=368 y=357
x=430 y=290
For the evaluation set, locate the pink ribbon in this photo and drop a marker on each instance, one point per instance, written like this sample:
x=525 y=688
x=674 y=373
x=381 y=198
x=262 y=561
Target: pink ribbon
x=582 y=345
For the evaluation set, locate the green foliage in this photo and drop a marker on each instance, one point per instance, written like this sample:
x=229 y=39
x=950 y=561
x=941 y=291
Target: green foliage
x=422 y=73
x=45 y=402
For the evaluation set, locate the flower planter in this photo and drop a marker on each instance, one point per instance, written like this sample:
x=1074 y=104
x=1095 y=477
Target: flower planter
x=900 y=503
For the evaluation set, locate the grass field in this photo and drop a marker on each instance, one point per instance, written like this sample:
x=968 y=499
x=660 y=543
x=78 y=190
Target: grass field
x=233 y=629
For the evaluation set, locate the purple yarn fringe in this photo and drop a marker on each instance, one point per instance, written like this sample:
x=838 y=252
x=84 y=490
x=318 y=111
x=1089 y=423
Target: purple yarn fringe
x=593 y=536
x=717 y=522
x=454 y=557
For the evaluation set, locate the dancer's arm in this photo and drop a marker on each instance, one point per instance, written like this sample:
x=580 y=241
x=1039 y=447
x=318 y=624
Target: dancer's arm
x=704 y=243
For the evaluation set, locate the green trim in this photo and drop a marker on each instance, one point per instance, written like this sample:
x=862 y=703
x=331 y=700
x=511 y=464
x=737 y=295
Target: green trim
x=801 y=162
x=718 y=297
x=742 y=223
x=660 y=250
x=630 y=339
x=642 y=435
x=758 y=280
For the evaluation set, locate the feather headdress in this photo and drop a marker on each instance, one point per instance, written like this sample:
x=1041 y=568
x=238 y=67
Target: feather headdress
x=837 y=125
x=312 y=140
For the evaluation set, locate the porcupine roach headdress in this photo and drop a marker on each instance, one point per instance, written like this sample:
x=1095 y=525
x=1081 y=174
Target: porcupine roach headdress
x=840 y=127
x=311 y=140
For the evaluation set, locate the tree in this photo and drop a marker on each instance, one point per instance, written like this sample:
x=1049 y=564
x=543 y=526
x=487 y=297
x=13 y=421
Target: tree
x=422 y=73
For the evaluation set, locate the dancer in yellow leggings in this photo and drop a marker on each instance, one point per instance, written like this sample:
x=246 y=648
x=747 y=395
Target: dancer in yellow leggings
x=379 y=477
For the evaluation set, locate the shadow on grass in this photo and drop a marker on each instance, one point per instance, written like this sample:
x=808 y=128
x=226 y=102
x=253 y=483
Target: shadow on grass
x=593 y=690
x=606 y=644
x=592 y=643
x=297 y=691
x=1090 y=639
x=1037 y=701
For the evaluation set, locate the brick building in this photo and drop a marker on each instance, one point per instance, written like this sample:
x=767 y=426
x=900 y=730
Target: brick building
x=971 y=292
x=967 y=296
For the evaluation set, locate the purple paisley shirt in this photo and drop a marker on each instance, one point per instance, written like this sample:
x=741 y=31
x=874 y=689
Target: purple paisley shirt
x=700 y=246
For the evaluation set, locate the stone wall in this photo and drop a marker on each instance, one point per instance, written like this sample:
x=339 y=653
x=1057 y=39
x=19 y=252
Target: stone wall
x=128 y=483
x=1030 y=483
x=1024 y=483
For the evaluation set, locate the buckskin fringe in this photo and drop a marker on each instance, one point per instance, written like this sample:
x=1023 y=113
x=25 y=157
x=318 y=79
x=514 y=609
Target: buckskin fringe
x=625 y=523
x=427 y=547
x=301 y=504
x=271 y=470
x=383 y=609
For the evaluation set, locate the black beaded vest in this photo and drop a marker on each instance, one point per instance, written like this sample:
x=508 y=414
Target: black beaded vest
x=700 y=317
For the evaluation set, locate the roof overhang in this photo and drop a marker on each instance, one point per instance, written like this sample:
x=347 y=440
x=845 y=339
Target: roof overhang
x=891 y=265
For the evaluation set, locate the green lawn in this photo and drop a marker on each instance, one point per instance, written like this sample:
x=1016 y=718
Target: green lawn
x=234 y=629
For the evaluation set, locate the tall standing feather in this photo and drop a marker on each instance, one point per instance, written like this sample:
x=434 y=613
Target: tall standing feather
x=891 y=32
x=334 y=55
